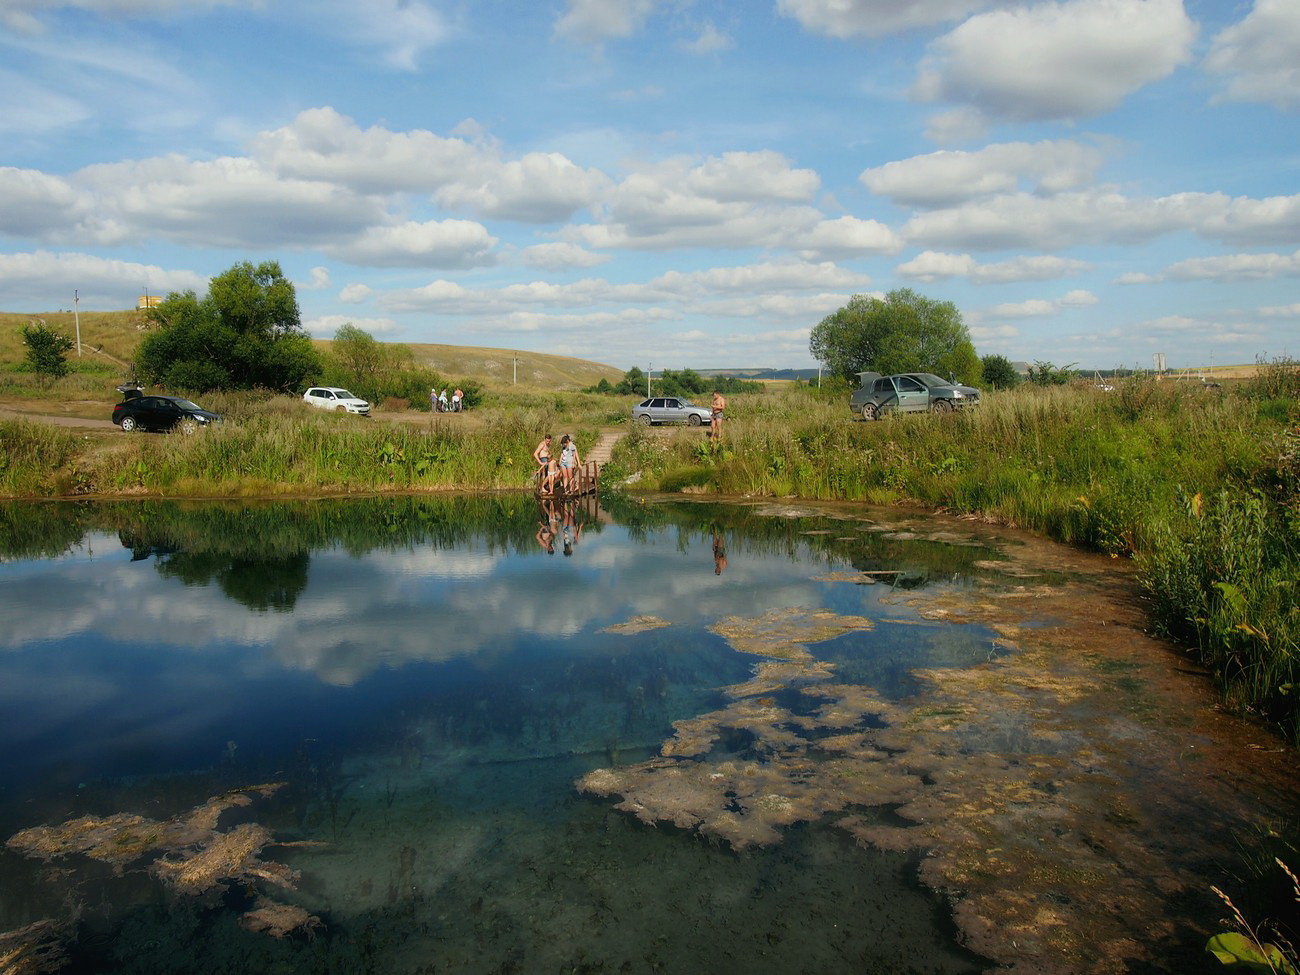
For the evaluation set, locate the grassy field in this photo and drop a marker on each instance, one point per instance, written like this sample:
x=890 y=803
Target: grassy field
x=109 y=340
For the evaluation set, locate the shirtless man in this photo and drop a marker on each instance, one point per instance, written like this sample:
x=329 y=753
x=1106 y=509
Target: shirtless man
x=715 y=422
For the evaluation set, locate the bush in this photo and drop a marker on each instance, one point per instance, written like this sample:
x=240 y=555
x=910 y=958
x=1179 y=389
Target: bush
x=999 y=373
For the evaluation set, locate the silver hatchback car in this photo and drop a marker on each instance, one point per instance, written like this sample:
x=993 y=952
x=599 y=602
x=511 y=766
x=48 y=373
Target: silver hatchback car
x=670 y=409
x=912 y=392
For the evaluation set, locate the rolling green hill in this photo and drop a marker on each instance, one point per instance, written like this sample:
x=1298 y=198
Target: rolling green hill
x=117 y=333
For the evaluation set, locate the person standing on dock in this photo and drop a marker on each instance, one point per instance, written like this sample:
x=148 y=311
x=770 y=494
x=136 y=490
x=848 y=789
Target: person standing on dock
x=569 y=461
x=542 y=456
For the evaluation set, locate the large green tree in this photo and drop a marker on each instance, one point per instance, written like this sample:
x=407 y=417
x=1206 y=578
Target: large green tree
x=360 y=356
x=244 y=333
x=902 y=332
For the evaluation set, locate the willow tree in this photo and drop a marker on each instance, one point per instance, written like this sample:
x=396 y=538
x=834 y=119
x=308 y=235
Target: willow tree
x=902 y=332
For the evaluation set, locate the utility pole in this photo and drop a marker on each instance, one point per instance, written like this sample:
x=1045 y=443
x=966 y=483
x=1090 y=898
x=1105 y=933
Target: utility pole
x=76 y=317
x=514 y=381
x=650 y=369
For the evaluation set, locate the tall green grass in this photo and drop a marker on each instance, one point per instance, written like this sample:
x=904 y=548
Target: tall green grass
x=273 y=445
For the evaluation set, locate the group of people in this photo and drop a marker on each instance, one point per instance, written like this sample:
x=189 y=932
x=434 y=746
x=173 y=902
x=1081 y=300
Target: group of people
x=441 y=404
x=556 y=468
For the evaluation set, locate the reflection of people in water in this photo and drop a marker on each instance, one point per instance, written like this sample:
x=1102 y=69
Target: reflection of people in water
x=719 y=553
x=570 y=530
x=548 y=527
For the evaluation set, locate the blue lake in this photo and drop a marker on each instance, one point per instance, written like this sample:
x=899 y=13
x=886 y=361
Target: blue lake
x=421 y=685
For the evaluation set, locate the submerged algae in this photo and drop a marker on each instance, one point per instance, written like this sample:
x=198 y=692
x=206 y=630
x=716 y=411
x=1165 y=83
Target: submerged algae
x=190 y=855
x=35 y=949
x=1068 y=826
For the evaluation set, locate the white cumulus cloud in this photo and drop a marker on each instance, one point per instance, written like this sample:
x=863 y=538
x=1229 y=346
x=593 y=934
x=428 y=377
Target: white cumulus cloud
x=932 y=266
x=874 y=18
x=1057 y=60
x=559 y=255
x=1260 y=56
x=433 y=243
x=595 y=21
x=542 y=187
x=46 y=279
x=947 y=177
x=355 y=294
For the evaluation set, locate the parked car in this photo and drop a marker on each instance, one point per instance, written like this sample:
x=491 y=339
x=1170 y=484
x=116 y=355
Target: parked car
x=336 y=398
x=670 y=409
x=910 y=392
x=162 y=413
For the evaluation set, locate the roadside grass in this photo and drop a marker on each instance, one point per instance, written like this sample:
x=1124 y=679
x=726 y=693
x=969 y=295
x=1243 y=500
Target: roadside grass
x=274 y=445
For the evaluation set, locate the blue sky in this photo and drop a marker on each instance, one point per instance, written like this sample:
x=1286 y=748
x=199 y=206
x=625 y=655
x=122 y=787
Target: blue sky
x=667 y=182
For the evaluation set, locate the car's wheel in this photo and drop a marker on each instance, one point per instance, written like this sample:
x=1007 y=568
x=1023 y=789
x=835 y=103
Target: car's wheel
x=128 y=423
x=693 y=420
x=188 y=426
x=941 y=406
x=340 y=409
x=643 y=419
x=869 y=411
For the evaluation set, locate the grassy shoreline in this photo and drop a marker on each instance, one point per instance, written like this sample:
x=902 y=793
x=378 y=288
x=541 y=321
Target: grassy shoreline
x=1201 y=487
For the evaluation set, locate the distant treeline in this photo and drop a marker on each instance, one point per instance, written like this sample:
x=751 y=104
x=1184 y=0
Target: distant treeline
x=686 y=382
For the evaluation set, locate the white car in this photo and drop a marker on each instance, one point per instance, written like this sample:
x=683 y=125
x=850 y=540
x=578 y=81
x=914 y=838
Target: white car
x=335 y=398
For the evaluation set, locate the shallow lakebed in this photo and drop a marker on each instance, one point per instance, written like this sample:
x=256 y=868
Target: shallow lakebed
x=473 y=734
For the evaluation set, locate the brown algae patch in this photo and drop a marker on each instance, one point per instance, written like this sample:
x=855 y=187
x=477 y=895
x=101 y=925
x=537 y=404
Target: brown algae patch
x=1075 y=796
x=39 y=948
x=188 y=853
x=785 y=633
x=637 y=624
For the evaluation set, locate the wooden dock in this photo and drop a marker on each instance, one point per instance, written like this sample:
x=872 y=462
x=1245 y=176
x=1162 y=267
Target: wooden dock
x=585 y=482
x=586 y=479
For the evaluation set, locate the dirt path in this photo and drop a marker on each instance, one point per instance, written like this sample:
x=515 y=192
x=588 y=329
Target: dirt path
x=60 y=420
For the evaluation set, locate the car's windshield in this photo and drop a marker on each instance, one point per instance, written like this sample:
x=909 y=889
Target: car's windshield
x=930 y=379
x=343 y=394
x=185 y=404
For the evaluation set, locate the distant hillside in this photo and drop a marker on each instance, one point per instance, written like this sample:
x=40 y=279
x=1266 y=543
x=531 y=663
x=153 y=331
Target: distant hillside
x=768 y=373
x=118 y=333
x=501 y=367
x=115 y=333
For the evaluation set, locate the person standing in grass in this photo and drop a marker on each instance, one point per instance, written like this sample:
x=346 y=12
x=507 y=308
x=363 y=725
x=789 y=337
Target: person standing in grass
x=715 y=420
x=457 y=398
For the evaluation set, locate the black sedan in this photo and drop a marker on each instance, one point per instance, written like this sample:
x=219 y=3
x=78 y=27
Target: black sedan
x=162 y=413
